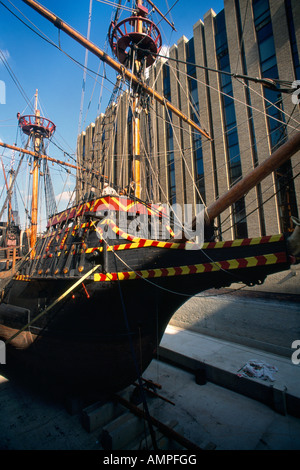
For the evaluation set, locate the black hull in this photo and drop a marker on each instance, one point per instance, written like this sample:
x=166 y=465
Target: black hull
x=106 y=333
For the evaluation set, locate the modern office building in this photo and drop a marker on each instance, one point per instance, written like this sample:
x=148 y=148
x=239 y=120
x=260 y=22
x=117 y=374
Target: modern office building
x=246 y=120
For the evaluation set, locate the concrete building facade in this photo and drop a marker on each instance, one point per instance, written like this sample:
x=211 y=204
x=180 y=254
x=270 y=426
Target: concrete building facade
x=245 y=120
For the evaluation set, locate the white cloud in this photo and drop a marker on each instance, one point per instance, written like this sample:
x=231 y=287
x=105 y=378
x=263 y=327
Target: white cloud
x=65 y=196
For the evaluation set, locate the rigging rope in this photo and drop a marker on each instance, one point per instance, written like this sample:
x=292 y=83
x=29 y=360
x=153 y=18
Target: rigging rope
x=85 y=68
x=14 y=78
x=12 y=185
x=267 y=82
x=239 y=101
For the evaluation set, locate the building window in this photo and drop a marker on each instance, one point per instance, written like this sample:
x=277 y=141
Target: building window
x=277 y=130
x=194 y=113
x=169 y=139
x=250 y=118
x=232 y=142
x=268 y=65
x=295 y=52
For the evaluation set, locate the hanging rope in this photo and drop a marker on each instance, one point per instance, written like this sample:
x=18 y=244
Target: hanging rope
x=85 y=68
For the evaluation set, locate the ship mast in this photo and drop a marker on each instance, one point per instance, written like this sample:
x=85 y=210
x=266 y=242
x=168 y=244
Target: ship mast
x=136 y=37
x=136 y=125
x=37 y=128
x=35 y=178
x=133 y=41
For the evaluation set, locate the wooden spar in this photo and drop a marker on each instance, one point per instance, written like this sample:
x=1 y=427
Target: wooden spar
x=161 y=14
x=258 y=174
x=34 y=154
x=45 y=157
x=60 y=24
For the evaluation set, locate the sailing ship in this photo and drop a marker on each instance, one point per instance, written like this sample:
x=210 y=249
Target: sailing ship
x=88 y=303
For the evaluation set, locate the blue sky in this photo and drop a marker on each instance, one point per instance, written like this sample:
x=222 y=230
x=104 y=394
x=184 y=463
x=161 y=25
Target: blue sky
x=39 y=65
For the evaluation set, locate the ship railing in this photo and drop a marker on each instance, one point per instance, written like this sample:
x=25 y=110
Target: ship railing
x=12 y=254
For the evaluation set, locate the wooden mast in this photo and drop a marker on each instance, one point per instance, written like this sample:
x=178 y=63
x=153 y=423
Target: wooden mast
x=136 y=122
x=37 y=128
x=35 y=180
x=136 y=148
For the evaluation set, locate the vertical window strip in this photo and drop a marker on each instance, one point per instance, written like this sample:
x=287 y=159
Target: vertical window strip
x=250 y=116
x=286 y=198
x=169 y=140
x=232 y=141
x=293 y=41
x=194 y=113
x=268 y=64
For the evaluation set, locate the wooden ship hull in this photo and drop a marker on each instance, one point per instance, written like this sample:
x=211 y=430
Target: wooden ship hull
x=107 y=330
x=88 y=305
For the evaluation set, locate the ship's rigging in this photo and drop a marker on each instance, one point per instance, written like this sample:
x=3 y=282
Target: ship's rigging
x=268 y=83
x=138 y=49
x=119 y=87
x=124 y=289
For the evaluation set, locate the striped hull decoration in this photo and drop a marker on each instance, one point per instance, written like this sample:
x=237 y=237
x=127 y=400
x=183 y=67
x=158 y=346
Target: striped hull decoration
x=113 y=203
x=144 y=243
x=251 y=262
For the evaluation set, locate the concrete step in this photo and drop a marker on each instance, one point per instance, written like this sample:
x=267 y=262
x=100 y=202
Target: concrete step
x=220 y=362
x=259 y=320
x=120 y=432
x=144 y=442
x=98 y=414
x=120 y=429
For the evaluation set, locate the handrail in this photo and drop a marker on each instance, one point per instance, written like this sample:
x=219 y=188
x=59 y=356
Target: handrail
x=11 y=257
x=11 y=247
